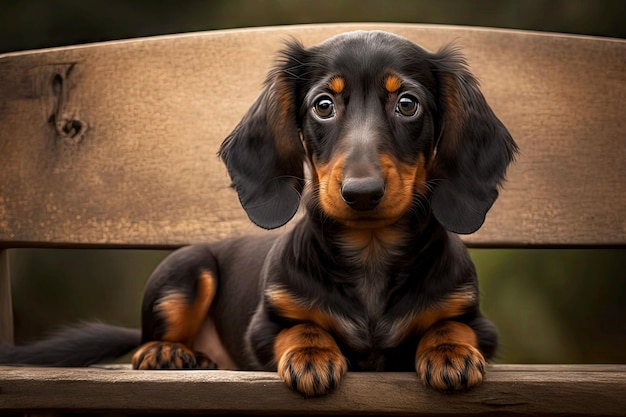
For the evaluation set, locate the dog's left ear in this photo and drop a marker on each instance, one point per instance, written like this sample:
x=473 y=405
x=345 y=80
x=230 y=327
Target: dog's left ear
x=264 y=154
x=473 y=150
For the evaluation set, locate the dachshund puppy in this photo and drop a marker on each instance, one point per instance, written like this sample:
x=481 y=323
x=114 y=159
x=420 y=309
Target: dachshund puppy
x=400 y=152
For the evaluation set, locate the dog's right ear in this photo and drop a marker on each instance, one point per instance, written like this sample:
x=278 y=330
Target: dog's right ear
x=264 y=154
x=474 y=148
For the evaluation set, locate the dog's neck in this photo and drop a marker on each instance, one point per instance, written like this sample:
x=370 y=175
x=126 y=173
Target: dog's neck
x=372 y=248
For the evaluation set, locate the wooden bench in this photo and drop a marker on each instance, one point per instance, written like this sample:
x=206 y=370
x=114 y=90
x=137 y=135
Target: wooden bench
x=113 y=145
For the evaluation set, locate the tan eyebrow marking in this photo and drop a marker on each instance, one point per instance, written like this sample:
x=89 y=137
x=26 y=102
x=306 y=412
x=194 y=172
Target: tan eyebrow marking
x=336 y=84
x=392 y=83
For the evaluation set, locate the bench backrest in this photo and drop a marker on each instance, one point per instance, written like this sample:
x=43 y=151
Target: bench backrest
x=114 y=144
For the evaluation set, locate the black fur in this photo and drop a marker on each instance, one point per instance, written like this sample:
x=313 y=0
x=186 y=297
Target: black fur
x=81 y=345
x=374 y=264
x=469 y=173
x=264 y=154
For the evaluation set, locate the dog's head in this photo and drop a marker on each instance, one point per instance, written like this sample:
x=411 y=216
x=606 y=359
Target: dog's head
x=384 y=124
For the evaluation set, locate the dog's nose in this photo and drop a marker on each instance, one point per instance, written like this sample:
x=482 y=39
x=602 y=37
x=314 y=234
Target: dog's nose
x=362 y=193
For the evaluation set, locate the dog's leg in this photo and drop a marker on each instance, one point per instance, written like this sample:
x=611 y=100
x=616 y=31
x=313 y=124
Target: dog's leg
x=309 y=360
x=448 y=358
x=176 y=302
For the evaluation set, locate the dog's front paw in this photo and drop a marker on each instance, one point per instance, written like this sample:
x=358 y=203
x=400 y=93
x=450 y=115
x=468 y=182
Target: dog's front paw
x=312 y=371
x=451 y=367
x=166 y=355
x=309 y=360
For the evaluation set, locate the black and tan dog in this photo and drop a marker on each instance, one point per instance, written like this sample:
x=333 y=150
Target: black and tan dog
x=402 y=152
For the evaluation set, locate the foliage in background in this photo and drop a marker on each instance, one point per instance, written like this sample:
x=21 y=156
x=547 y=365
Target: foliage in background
x=44 y=23
x=555 y=306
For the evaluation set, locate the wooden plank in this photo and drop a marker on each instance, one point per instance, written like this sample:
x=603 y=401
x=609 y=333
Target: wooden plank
x=510 y=389
x=6 y=306
x=115 y=143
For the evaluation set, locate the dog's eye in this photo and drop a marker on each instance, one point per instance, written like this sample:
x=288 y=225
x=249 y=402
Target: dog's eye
x=324 y=107
x=407 y=105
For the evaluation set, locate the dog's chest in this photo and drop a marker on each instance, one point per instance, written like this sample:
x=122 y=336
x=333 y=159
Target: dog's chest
x=372 y=261
x=369 y=257
x=369 y=286
x=365 y=325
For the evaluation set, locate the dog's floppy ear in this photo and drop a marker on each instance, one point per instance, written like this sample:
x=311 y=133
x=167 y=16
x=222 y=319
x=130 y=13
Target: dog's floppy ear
x=473 y=150
x=264 y=154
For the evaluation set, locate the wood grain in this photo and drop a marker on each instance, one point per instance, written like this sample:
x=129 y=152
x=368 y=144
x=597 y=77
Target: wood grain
x=114 y=143
x=588 y=390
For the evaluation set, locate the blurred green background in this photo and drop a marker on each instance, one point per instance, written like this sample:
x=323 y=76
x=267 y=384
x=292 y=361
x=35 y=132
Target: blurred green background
x=551 y=306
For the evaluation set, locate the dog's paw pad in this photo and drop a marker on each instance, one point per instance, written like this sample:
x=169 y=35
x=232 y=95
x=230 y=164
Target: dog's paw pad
x=451 y=367
x=165 y=355
x=312 y=371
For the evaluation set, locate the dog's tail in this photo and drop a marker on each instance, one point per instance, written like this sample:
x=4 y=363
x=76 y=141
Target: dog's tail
x=80 y=345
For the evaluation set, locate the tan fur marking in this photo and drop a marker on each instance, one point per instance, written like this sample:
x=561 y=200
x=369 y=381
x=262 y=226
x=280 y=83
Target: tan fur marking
x=336 y=85
x=392 y=83
x=454 y=113
x=281 y=110
x=184 y=320
x=447 y=358
x=291 y=308
x=302 y=336
x=285 y=98
x=367 y=245
x=421 y=175
x=400 y=185
x=451 y=332
x=309 y=360
x=329 y=183
x=401 y=182
x=453 y=306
